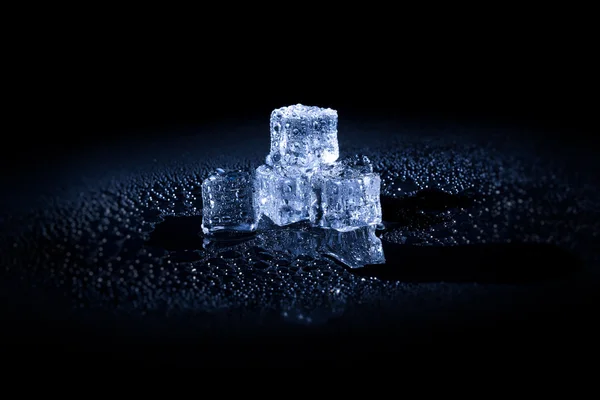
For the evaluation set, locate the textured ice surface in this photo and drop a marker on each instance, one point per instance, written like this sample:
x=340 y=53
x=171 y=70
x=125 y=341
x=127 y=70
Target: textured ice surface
x=282 y=195
x=346 y=195
x=303 y=137
x=228 y=202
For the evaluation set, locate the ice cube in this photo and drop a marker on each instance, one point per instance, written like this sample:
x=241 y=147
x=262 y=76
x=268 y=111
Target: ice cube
x=346 y=195
x=227 y=198
x=303 y=137
x=355 y=248
x=282 y=195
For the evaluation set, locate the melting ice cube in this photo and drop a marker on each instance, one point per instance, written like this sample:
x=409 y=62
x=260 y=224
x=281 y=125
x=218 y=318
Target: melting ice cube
x=227 y=198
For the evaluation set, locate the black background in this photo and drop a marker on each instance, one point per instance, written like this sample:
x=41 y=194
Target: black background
x=81 y=82
x=123 y=73
x=517 y=87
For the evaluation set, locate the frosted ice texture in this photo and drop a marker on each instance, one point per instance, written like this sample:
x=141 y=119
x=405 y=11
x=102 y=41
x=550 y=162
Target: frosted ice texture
x=282 y=195
x=227 y=198
x=346 y=195
x=303 y=137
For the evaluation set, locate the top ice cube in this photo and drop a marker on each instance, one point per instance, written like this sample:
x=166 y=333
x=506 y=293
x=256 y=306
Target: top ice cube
x=303 y=137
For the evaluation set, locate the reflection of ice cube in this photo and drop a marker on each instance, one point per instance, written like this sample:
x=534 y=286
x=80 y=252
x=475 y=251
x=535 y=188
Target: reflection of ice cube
x=303 y=137
x=346 y=195
x=295 y=242
x=283 y=196
x=355 y=248
x=227 y=202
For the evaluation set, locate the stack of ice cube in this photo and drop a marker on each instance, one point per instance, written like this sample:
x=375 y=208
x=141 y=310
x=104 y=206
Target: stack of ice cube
x=302 y=180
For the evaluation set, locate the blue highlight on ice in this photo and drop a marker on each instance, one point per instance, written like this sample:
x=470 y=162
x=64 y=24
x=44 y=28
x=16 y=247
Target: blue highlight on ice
x=301 y=180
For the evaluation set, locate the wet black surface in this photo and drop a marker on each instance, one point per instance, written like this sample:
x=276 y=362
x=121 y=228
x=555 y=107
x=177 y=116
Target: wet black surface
x=494 y=263
x=490 y=241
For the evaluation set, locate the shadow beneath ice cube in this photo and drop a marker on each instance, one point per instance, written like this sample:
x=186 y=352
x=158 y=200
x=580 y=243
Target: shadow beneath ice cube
x=512 y=263
x=185 y=233
x=177 y=233
x=425 y=208
x=508 y=263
